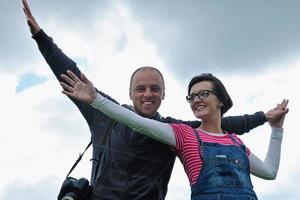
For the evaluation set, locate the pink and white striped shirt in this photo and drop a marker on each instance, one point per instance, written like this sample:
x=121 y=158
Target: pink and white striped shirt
x=187 y=147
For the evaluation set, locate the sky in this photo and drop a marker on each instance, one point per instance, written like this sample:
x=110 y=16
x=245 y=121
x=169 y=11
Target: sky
x=252 y=46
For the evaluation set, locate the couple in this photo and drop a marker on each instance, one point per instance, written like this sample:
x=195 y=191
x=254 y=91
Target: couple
x=134 y=166
x=216 y=162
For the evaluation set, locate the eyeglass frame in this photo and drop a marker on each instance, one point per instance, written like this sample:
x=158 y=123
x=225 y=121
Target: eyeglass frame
x=189 y=97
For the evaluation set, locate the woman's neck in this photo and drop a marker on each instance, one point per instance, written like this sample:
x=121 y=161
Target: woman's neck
x=211 y=126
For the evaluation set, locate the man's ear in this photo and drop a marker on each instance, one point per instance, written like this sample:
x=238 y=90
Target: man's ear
x=130 y=94
x=163 y=95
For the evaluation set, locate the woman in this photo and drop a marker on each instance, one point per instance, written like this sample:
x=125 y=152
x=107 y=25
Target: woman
x=217 y=163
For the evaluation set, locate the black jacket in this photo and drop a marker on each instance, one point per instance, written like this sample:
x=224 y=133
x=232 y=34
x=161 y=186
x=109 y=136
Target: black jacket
x=134 y=166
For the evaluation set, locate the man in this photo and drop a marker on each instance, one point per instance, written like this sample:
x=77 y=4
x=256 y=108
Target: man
x=134 y=166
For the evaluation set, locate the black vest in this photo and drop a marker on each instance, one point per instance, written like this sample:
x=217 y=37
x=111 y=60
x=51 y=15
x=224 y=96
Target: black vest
x=133 y=166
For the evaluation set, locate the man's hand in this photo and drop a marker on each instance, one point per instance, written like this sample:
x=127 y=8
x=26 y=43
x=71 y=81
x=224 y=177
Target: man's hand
x=79 y=88
x=33 y=25
x=275 y=117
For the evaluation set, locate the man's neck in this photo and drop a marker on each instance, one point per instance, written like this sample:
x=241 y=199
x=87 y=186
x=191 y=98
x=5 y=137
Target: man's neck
x=155 y=116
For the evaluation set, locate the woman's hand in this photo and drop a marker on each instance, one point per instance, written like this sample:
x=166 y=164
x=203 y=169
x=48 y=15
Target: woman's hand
x=275 y=117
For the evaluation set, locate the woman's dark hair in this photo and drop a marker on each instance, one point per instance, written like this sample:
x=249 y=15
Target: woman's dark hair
x=218 y=88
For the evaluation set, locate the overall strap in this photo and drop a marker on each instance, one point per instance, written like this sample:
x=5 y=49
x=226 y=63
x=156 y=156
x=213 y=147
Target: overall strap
x=234 y=140
x=200 y=144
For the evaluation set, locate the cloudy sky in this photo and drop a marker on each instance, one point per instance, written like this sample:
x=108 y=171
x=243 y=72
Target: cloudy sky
x=252 y=46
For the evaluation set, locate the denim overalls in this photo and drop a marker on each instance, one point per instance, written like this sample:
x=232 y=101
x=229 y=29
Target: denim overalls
x=225 y=173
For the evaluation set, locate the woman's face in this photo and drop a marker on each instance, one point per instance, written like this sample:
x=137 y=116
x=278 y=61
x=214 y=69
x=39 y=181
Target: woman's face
x=204 y=103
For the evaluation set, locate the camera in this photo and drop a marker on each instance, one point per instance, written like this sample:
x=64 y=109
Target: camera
x=73 y=189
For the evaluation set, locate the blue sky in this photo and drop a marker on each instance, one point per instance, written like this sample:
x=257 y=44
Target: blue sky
x=29 y=80
x=253 y=47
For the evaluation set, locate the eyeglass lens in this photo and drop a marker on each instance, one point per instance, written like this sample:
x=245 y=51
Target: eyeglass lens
x=201 y=95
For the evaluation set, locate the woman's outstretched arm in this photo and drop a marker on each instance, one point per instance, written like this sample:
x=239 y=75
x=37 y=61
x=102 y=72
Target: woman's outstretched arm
x=268 y=168
x=83 y=90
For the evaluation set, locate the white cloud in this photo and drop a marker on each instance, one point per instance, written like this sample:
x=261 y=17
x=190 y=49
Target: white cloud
x=227 y=36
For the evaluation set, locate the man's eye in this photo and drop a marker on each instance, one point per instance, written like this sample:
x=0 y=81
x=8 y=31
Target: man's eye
x=155 y=89
x=139 y=89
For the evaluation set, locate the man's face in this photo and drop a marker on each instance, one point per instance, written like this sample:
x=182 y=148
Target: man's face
x=147 y=92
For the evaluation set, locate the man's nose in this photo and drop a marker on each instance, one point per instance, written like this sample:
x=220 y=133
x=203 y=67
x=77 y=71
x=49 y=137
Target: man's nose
x=148 y=92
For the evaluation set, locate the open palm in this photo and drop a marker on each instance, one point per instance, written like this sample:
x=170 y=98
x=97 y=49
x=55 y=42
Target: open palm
x=79 y=88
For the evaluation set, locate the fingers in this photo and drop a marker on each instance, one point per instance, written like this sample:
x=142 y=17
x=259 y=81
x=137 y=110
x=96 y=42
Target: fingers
x=84 y=78
x=73 y=76
x=70 y=77
x=26 y=8
x=282 y=105
x=34 y=27
x=67 y=88
x=24 y=2
x=68 y=80
x=285 y=103
x=70 y=94
x=283 y=108
x=26 y=13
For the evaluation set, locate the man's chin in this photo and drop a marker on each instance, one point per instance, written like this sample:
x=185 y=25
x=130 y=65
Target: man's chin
x=148 y=113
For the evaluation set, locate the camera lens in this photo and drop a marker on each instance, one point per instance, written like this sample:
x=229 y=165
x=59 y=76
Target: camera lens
x=70 y=196
x=67 y=198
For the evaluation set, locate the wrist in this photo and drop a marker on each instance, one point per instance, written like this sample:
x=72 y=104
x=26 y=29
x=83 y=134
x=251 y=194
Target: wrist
x=267 y=116
x=35 y=31
x=94 y=96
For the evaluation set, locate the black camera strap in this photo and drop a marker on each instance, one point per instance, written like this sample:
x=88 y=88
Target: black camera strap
x=103 y=142
x=79 y=158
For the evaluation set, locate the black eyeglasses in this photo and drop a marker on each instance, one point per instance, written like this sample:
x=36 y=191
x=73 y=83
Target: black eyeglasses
x=201 y=95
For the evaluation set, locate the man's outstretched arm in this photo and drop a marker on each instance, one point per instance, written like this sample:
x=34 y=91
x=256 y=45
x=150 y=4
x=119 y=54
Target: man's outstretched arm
x=243 y=124
x=56 y=59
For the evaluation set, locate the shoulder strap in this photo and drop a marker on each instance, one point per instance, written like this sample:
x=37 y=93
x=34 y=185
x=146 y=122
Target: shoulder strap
x=108 y=131
x=102 y=148
x=200 y=144
x=103 y=142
